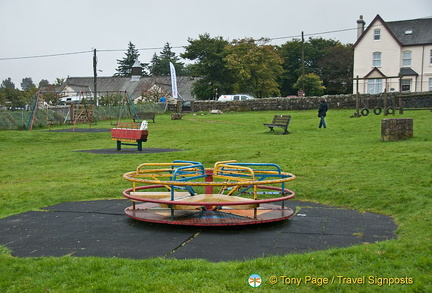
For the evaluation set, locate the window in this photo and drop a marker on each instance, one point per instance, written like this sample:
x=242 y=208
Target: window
x=406 y=85
x=374 y=86
x=377 y=34
x=430 y=84
x=406 y=58
x=430 y=56
x=376 y=59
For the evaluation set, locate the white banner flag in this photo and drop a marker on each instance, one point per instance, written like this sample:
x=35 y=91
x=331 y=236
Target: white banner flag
x=173 y=81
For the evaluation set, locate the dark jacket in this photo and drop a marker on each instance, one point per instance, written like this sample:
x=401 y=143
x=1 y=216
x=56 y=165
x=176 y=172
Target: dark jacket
x=322 y=109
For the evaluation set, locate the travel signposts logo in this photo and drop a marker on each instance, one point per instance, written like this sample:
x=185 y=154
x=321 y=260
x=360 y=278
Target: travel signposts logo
x=254 y=280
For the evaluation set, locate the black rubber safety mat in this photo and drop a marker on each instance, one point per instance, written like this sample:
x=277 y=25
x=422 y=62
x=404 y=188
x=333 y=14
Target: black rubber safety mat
x=99 y=228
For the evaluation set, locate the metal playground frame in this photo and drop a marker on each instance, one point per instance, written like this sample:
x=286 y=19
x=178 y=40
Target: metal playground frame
x=183 y=193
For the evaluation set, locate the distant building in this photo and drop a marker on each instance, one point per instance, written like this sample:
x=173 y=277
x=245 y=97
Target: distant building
x=135 y=87
x=393 y=56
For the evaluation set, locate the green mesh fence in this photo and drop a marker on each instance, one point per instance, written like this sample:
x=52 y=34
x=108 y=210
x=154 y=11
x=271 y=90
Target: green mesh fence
x=19 y=119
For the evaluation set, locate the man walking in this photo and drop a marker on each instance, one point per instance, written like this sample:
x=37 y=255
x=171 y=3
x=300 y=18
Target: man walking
x=322 y=113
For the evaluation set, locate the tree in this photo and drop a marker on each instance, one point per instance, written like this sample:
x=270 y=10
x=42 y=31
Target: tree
x=337 y=69
x=59 y=81
x=43 y=83
x=328 y=59
x=256 y=67
x=7 y=84
x=11 y=97
x=315 y=50
x=126 y=64
x=312 y=84
x=154 y=94
x=27 y=84
x=291 y=53
x=27 y=94
x=159 y=65
x=210 y=66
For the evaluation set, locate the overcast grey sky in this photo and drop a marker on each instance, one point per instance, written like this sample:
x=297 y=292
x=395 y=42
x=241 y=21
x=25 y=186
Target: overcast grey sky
x=44 y=27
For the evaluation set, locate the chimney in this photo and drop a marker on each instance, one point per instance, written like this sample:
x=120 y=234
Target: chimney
x=360 y=26
x=136 y=71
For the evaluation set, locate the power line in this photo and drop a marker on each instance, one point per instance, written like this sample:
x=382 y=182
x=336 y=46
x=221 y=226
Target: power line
x=142 y=49
x=155 y=48
x=313 y=34
x=81 y=52
x=45 y=56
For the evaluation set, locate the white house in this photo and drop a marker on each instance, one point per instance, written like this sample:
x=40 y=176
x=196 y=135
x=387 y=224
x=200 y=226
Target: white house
x=393 y=56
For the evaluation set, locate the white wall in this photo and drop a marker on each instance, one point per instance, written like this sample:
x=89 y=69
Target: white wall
x=390 y=57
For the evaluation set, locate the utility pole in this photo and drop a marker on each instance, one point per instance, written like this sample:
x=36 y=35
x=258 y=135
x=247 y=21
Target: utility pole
x=95 y=77
x=303 y=68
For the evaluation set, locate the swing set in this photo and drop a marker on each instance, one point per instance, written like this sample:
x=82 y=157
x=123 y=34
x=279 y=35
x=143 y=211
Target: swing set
x=80 y=108
x=82 y=111
x=388 y=105
x=126 y=105
x=40 y=103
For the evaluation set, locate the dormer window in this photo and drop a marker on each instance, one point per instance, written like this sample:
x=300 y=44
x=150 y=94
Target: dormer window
x=377 y=34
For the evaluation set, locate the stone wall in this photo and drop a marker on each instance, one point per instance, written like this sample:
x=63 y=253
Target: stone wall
x=268 y=104
x=415 y=100
x=396 y=129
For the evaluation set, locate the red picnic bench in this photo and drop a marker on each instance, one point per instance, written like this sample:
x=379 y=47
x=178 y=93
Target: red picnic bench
x=127 y=132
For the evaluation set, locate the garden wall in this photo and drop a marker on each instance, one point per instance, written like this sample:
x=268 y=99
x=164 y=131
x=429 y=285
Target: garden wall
x=419 y=100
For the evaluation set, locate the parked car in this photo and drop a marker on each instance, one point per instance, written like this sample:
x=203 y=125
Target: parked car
x=186 y=106
x=236 y=97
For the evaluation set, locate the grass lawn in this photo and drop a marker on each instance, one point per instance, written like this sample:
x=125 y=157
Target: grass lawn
x=345 y=165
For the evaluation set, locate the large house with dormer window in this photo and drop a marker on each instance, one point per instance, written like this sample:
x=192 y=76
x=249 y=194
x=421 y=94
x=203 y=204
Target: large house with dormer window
x=393 y=56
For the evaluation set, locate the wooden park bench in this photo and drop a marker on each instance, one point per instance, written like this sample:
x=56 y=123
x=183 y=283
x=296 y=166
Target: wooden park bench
x=144 y=116
x=281 y=121
x=127 y=132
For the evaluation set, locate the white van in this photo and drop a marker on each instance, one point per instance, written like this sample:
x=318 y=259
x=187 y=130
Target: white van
x=75 y=99
x=71 y=99
x=236 y=97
